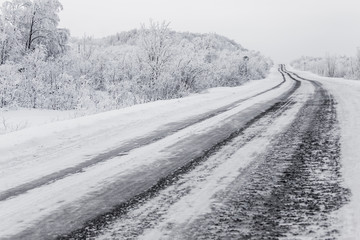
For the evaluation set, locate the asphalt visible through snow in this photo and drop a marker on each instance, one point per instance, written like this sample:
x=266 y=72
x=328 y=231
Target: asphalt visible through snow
x=270 y=171
x=229 y=133
x=290 y=191
x=294 y=190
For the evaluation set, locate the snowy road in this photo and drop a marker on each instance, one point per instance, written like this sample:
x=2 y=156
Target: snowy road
x=260 y=161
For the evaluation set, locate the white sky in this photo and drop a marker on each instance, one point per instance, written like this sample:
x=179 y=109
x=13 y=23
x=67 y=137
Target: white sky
x=280 y=29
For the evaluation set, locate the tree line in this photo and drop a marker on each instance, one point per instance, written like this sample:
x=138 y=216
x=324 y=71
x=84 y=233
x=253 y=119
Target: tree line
x=331 y=65
x=41 y=66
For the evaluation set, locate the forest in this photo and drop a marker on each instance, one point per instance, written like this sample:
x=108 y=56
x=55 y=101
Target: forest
x=331 y=65
x=42 y=66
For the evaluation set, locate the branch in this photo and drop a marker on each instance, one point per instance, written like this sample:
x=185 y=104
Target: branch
x=37 y=38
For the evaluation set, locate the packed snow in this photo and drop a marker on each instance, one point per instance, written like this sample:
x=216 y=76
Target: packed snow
x=347 y=95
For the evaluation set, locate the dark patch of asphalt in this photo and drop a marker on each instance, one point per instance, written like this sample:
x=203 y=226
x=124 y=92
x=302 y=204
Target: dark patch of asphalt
x=292 y=191
x=157 y=135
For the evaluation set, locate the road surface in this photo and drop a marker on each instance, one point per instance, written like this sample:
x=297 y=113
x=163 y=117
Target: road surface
x=264 y=165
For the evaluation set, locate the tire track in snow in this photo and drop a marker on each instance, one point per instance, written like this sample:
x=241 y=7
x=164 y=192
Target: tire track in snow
x=92 y=227
x=201 y=182
x=296 y=190
x=41 y=216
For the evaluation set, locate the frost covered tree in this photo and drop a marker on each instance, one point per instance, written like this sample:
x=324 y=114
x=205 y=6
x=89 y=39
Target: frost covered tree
x=156 y=45
x=188 y=65
x=356 y=63
x=30 y=41
x=10 y=32
x=331 y=66
x=128 y=68
x=34 y=23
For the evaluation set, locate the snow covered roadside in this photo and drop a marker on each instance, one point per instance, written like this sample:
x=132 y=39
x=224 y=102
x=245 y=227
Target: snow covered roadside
x=347 y=95
x=15 y=120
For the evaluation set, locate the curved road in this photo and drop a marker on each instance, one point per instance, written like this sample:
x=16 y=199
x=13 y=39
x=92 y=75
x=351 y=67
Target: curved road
x=263 y=167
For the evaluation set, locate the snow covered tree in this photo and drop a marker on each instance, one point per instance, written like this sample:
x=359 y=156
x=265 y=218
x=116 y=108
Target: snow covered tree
x=156 y=46
x=10 y=32
x=330 y=65
x=357 y=64
x=100 y=74
x=41 y=27
x=34 y=23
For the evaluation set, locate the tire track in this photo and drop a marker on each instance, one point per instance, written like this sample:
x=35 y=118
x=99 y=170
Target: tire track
x=293 y=191
x=149 y=212
x=93 y=226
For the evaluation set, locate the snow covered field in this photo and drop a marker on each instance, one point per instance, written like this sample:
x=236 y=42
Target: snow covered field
x=15 y=120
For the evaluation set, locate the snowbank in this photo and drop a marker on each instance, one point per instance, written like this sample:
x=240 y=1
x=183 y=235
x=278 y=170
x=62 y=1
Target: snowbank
x=15 y=120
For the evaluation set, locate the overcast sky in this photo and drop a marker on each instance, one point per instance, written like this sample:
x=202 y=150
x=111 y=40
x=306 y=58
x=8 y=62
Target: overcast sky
x=281 y=29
